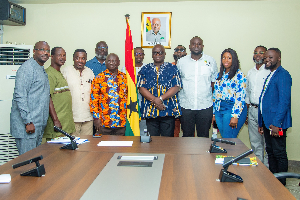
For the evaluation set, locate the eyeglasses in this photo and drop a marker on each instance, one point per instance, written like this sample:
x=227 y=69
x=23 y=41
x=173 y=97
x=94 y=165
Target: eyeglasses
x=139 y=54
x=158 y=52
x=182 y=50
x=102 y=48
x=261 y=52
x=48 y=51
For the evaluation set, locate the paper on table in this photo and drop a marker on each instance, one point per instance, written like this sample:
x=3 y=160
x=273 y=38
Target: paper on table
x=116 y=143
x=5 y=178
x=66 y=140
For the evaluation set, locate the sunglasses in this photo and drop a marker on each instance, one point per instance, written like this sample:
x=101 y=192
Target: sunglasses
x=158 y=52
x=182 y=50
x=261 y=52
x=102 y=48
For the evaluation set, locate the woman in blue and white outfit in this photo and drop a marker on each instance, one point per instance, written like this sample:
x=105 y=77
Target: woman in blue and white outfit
x=230 y=110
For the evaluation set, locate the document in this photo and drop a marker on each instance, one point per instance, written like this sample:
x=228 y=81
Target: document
x=66 y=140
x=221 y=159
x=115 y=143
x=5 y=178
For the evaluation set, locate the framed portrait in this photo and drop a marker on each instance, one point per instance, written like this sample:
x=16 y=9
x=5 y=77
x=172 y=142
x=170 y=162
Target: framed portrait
x=156 y=29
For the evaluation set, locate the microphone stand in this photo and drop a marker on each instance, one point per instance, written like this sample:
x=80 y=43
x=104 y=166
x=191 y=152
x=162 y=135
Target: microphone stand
x=73 y=144
x=216 y=149
x=226 y=176
x=38 y=171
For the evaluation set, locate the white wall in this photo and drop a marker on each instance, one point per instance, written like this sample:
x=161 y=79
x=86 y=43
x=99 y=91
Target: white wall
x=221 y=24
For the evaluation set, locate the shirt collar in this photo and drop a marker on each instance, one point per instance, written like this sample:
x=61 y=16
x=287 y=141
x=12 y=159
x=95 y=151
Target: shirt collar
x=158 y=33
x=190 y=56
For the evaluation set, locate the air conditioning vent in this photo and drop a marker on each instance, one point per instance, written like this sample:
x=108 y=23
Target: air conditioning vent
x=14 y=55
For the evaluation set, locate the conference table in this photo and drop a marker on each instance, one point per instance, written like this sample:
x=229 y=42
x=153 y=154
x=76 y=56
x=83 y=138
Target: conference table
x=189 y=171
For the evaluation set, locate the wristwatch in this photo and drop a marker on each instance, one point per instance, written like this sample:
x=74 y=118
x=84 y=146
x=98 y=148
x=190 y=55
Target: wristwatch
x=28 y=124
x=161 y=99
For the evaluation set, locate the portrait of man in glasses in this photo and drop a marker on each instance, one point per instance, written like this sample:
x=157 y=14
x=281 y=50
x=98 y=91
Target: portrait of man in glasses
x=159 y=83
x=156 y=34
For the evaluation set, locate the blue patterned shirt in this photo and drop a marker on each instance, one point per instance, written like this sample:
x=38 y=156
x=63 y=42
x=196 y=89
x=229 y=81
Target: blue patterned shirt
x=158 y=83
x=233 y=90
x=95 y=66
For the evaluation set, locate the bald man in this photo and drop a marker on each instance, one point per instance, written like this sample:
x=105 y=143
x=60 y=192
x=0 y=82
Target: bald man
x=156 y=35
x=30 y=104
x=109 y=99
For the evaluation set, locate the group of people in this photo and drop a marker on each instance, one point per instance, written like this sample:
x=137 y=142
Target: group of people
x=91 y=96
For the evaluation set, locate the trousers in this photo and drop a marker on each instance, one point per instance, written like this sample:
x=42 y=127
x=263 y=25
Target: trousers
x=223 y=117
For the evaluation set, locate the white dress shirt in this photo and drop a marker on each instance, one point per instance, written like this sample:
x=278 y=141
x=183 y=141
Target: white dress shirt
x=197 y=76
x=80 y=87
x=255 y=82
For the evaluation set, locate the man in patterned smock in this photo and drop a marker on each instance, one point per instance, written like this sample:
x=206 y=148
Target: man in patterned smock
x=159 y=83
x=109 y=98
x=60 y=108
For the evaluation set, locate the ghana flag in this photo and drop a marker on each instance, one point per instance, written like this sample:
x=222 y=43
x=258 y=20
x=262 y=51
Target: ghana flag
x=148 y=24
x=133 y=111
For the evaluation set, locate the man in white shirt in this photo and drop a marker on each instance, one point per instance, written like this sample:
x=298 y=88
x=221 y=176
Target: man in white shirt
x=198 y=72
x=255 y=82
x=79 y=78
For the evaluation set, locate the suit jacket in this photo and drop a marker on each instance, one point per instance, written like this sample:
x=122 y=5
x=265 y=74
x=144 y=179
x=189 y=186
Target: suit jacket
x=276 y=103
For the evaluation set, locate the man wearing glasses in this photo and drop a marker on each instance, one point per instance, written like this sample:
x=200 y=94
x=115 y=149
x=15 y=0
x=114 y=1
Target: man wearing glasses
x=30 y=104
x=159 y=83
x=255 y=82
x=97 y=64
x=198 y=72
x=179 y=52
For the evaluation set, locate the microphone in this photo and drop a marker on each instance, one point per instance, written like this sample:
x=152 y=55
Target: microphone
x=222 y=141
x=27 y=162
x=226 y=176
x=63 y=132
x=38 y=171
x=239 y=157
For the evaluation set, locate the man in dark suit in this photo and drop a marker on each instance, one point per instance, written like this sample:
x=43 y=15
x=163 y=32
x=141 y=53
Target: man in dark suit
x=275 y=111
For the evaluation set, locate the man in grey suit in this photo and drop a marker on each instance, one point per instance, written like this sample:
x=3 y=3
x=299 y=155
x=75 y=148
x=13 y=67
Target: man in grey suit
x=30 y=104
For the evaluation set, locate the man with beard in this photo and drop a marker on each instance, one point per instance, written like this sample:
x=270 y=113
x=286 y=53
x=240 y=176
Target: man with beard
x=30 y=104
x=179 y=52
x=109 y=99
x=60 y=108
x=274 y=112
x=159 y=83
x=97 y=64
x=79 y=78
x=198 y=72
x=255 y=82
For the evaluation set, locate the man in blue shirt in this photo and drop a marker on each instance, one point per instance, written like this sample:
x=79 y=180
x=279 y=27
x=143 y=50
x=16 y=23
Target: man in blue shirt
x=159 y=83
x=97 y=64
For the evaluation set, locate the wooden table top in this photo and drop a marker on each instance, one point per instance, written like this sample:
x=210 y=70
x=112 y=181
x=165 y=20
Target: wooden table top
x=189 y=172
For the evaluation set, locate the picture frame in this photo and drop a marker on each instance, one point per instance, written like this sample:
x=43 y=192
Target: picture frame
x=156 y=29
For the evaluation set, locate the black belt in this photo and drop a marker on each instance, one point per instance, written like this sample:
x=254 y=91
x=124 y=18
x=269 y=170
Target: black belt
x=254 y=105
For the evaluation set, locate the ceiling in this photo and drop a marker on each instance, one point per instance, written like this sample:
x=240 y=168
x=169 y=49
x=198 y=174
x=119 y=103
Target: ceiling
x=105 y=1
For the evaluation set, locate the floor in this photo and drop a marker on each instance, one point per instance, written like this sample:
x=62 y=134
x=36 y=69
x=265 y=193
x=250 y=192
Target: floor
x=293 y=184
